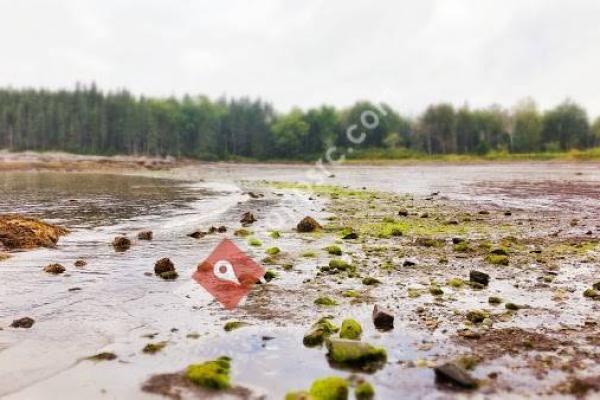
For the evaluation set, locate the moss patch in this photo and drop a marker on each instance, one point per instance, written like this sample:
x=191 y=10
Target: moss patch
x=211 y=374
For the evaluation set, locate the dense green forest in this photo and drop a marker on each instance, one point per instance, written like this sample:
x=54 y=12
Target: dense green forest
x=87 y=120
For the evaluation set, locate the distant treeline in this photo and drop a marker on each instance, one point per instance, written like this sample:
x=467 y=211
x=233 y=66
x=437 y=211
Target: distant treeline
x=87 y=120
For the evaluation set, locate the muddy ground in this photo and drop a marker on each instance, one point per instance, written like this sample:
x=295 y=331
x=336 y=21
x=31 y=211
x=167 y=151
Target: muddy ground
x=530 y=332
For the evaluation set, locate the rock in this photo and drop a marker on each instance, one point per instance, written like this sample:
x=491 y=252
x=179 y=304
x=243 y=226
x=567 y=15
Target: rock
x=270 y=275
x=121 y=243
x=169 y=275
x=596 y=285
x=429 y=242
x=512 y=306
x=152 y=348
x=247 y=219
x=409 y=263
x=222 y=229
x=499 y=251
x=145 y=235
x=163 y=265
x=325 y=301
x=479 y=277
x=197 y=234
x=370 y=281
x=104 y=356
x=364 y=391
x=382 y=318
x=54 y=269
x=211 y=374
x=308 y=224
x=477 y=316
x=24 y=322
x=494 y=300
x=320 y=331
x=330 y=388
x=80 y=263
x=19 y=232
x=455 y=375
x=495 y=259
x=355 y=354
x=350 y=236
x=591 y=293
x=403 y=212
x=452 y=222
x=350 y=330
x=233 y=325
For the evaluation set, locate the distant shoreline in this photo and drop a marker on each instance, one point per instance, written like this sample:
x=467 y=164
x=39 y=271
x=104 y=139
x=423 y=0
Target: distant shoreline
x=60 y=161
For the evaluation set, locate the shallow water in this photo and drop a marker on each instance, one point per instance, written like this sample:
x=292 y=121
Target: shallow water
x=117 y=306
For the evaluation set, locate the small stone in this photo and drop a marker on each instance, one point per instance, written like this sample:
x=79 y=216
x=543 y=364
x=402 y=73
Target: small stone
x=455 y=375
x=403 y=212
x=169 y=275
x=247 y=219
x=479 y=277
x=163 y=265
x=409 y=263
x=350 y=236
x=382 y=318
x=308 y=224
x=222 y=229
x=320 y=331
x=197 y=234
x=370 y=281
x=80 y=263
x=145 y=235
x=121 y=243
x=359 y=355
x=477 y=316
x=24 y=322
x=591 y=293
x=54 y=269
x=104 y=356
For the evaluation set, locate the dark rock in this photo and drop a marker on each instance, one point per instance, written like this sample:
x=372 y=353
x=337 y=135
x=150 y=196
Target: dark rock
x=247 y=219
x=169 y=275
x=350 y=236
x=457 y=240
x=479 y=277
x=455 y=375
x=197 y=234
x=308 y=224
x=25 y=323
x=507 y=213
x=382 y=318
x=403 y=212
x=54 y=269
x=163 y=265
x=409 y=263
x=121 y=243
x=80 y=263
x=222 y=229
x=212 y=229
x=145 y=235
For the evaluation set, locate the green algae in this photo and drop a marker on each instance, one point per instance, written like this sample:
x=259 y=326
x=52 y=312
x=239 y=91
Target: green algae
x=350 y=329
x=211 y=374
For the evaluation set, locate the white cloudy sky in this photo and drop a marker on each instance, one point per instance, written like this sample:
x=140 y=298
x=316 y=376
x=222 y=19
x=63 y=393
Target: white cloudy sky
x=309 y=52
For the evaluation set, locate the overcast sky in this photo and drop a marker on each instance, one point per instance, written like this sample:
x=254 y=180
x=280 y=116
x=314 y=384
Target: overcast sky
x=309 y=52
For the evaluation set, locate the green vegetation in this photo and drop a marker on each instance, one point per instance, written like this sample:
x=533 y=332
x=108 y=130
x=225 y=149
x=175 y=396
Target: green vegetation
x=325 y=301
x=364 y=391
x=152 y=348
x=254 y=242
x=273 y=251
x=334 y=250
x=87 y=120
x=330 y=388
x=211 y=374
x=233 y=325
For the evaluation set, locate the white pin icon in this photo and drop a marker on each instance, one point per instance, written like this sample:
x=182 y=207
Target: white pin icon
x=223 y=270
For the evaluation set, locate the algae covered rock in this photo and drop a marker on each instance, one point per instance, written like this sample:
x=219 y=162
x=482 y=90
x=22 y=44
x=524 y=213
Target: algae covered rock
x=350 y=330
x=320 y=331
x=333 y=250
x=163 y=265
x=308 y=224
x=104 y=356
x=20 y=232
x=152 y=348
x=370 y=281
x=496 y=259
x=479 y=277
x=330 y=388
x=477 y=316
x=354 y=354
x=233 y=325
x=211 y=374
x=325 y=301
x=364 y=391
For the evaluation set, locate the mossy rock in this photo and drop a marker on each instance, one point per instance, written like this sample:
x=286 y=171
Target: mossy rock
x=308 y=224
x=350 y=330
x=330 y=388
x=274 y=235
x=325 y=301
x=320 y=331
x=333 y=250
x=270 y=275
x=255 y=242
x=429 y=242
x=299 y=395
x=591 y=293
x=233 y=325
x=356 y=355
x=499 y=251
x=104 y=356
x=351 y=293
x=242 y=232
x=436 y=291
x=495 y=259
x=364 y=391
x=273 y=251
x=494 y=300
x=456 y=283
x=370 y=281
x=152 y=348
x=169 y=275
x=462 y=247
x=512 y=306
x=477 y=316
x=211 y=374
